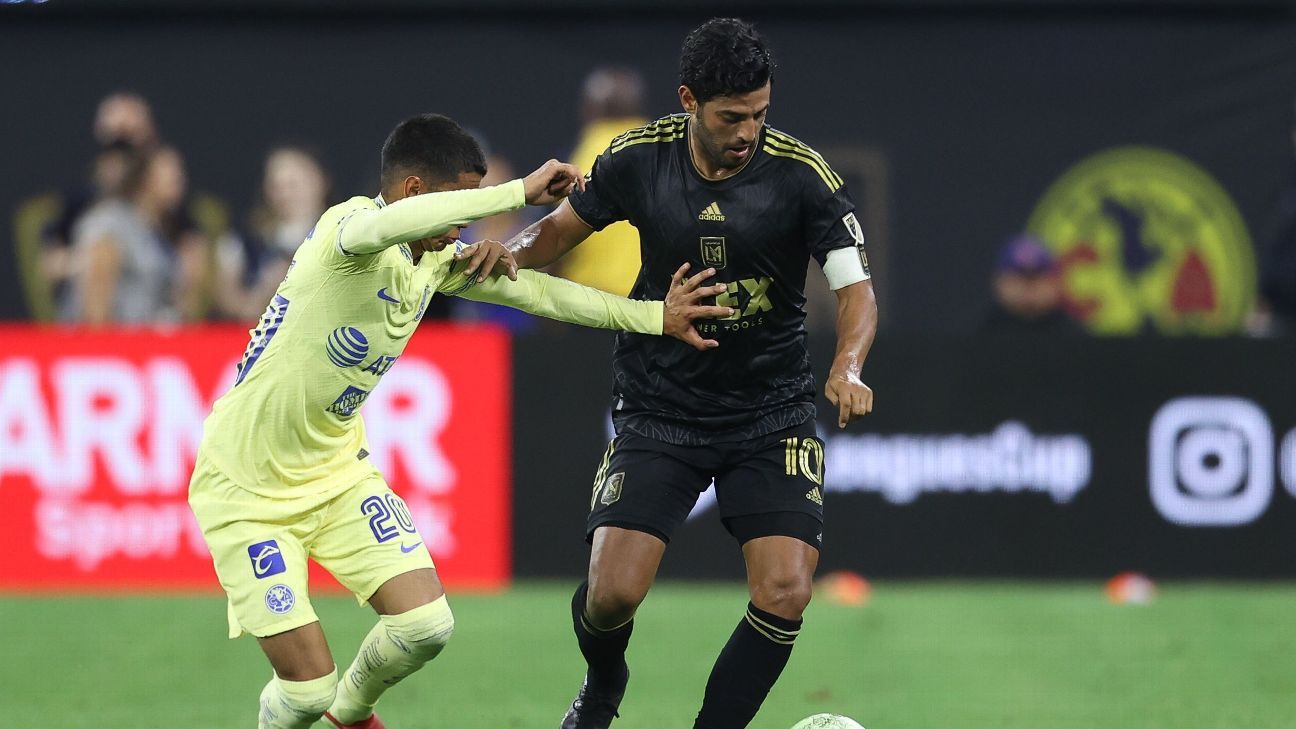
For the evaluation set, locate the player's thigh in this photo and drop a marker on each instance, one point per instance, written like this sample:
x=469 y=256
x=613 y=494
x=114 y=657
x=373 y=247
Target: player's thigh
x=773 y=486
x=646 y=485
x=257 y=548
x=368 y=538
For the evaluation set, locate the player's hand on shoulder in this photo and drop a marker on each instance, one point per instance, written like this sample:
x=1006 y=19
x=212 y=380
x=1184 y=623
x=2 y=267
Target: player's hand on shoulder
x=487 y=258
x=853 y=398
x=552 y=182
x=683 y=304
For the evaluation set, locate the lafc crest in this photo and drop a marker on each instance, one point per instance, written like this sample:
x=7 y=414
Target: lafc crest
x=612 y=489
x=713 y=252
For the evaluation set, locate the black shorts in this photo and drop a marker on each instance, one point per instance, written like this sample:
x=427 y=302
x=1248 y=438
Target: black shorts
x=767 y=486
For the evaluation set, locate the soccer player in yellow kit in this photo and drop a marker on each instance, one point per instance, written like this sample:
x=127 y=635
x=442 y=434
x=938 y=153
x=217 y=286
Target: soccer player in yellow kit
x=282 y=473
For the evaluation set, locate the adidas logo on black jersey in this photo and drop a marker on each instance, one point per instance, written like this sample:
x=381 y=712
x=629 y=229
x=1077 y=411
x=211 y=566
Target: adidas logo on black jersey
x=815 y=495
x=712 y=212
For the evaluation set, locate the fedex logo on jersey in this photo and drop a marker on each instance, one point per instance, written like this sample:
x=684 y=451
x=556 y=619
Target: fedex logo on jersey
x=99 y=432
x=749 y=298
x=266 y=558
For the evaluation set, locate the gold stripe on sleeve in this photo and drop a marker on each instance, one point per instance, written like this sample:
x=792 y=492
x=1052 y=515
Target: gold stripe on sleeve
x=825 y=173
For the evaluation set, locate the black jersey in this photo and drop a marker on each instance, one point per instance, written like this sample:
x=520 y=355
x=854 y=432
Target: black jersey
x=758 y=228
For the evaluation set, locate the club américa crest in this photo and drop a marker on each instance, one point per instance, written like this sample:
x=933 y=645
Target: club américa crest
x=1147 y=239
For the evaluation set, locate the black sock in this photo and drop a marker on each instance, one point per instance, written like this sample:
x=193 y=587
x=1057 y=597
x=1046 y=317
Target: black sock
x=746 y=669
x=604 y=650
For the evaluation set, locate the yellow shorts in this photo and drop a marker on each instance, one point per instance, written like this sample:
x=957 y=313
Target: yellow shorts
x=363 y=537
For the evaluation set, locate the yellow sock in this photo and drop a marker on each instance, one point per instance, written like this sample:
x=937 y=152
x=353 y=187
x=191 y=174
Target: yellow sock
x=295 y=704
x=396 y=647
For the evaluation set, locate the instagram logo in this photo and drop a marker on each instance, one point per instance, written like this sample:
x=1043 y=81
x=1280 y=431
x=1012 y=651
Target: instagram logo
x=1287 y=461
x=1211 y=461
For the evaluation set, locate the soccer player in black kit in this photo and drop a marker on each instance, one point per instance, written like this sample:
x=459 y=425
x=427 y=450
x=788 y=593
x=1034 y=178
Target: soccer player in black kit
x=748 y=207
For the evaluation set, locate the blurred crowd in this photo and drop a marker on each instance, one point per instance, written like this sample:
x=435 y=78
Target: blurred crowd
x=133 y=244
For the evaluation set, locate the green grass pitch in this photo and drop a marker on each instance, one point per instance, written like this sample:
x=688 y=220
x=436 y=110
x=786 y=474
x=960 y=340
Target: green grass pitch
x=920 y=656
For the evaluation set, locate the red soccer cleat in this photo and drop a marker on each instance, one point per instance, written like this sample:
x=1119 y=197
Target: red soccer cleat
x=373 y=722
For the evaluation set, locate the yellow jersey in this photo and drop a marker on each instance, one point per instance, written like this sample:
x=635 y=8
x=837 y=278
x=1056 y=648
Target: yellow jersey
x=290 y=426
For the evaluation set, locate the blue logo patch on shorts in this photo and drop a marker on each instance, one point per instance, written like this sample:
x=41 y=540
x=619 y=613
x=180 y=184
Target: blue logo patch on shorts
x=280 y=599
x=266 y=559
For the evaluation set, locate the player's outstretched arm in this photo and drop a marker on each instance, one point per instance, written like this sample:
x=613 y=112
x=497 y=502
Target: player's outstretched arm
x=431 y=214
x=563 y=300
x=856 y=327
x=426 y=216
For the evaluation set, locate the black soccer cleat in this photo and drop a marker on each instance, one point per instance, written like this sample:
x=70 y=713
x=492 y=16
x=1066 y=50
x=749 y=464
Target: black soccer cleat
x=595 y=709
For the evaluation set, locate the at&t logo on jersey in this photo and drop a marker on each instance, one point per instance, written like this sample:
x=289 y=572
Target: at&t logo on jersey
x=380 y=365
x=267 y=559
x=346 y=347
x=280 y=599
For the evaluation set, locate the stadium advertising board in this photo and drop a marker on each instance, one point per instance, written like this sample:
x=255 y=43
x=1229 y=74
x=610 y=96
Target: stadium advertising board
x=1071 y=458
x=98 y=432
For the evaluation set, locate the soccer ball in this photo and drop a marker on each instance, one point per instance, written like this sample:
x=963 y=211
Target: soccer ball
x=827 y=721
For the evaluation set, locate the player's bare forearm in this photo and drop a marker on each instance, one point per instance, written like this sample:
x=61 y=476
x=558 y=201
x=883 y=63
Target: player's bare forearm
x=548 y=239
x=856 y=328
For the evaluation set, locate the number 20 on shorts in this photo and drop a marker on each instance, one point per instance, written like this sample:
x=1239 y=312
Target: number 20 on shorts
x=388 y=516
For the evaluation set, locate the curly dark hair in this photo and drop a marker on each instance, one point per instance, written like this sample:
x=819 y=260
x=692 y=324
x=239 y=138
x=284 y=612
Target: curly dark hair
x=724 y=57
x=433 y=146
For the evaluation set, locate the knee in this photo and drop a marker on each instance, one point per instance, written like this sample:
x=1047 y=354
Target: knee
x=423 y=631
x=612 y=603
x=783 y=595
x=313 y=706
x=296 y=703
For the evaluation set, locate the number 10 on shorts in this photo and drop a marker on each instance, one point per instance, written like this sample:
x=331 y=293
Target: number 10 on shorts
x=804 y=456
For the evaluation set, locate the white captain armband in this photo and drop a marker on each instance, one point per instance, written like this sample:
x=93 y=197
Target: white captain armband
x=846 y=266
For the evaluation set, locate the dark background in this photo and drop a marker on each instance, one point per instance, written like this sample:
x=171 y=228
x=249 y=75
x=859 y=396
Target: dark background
x=957 y=114
x=949 y=119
